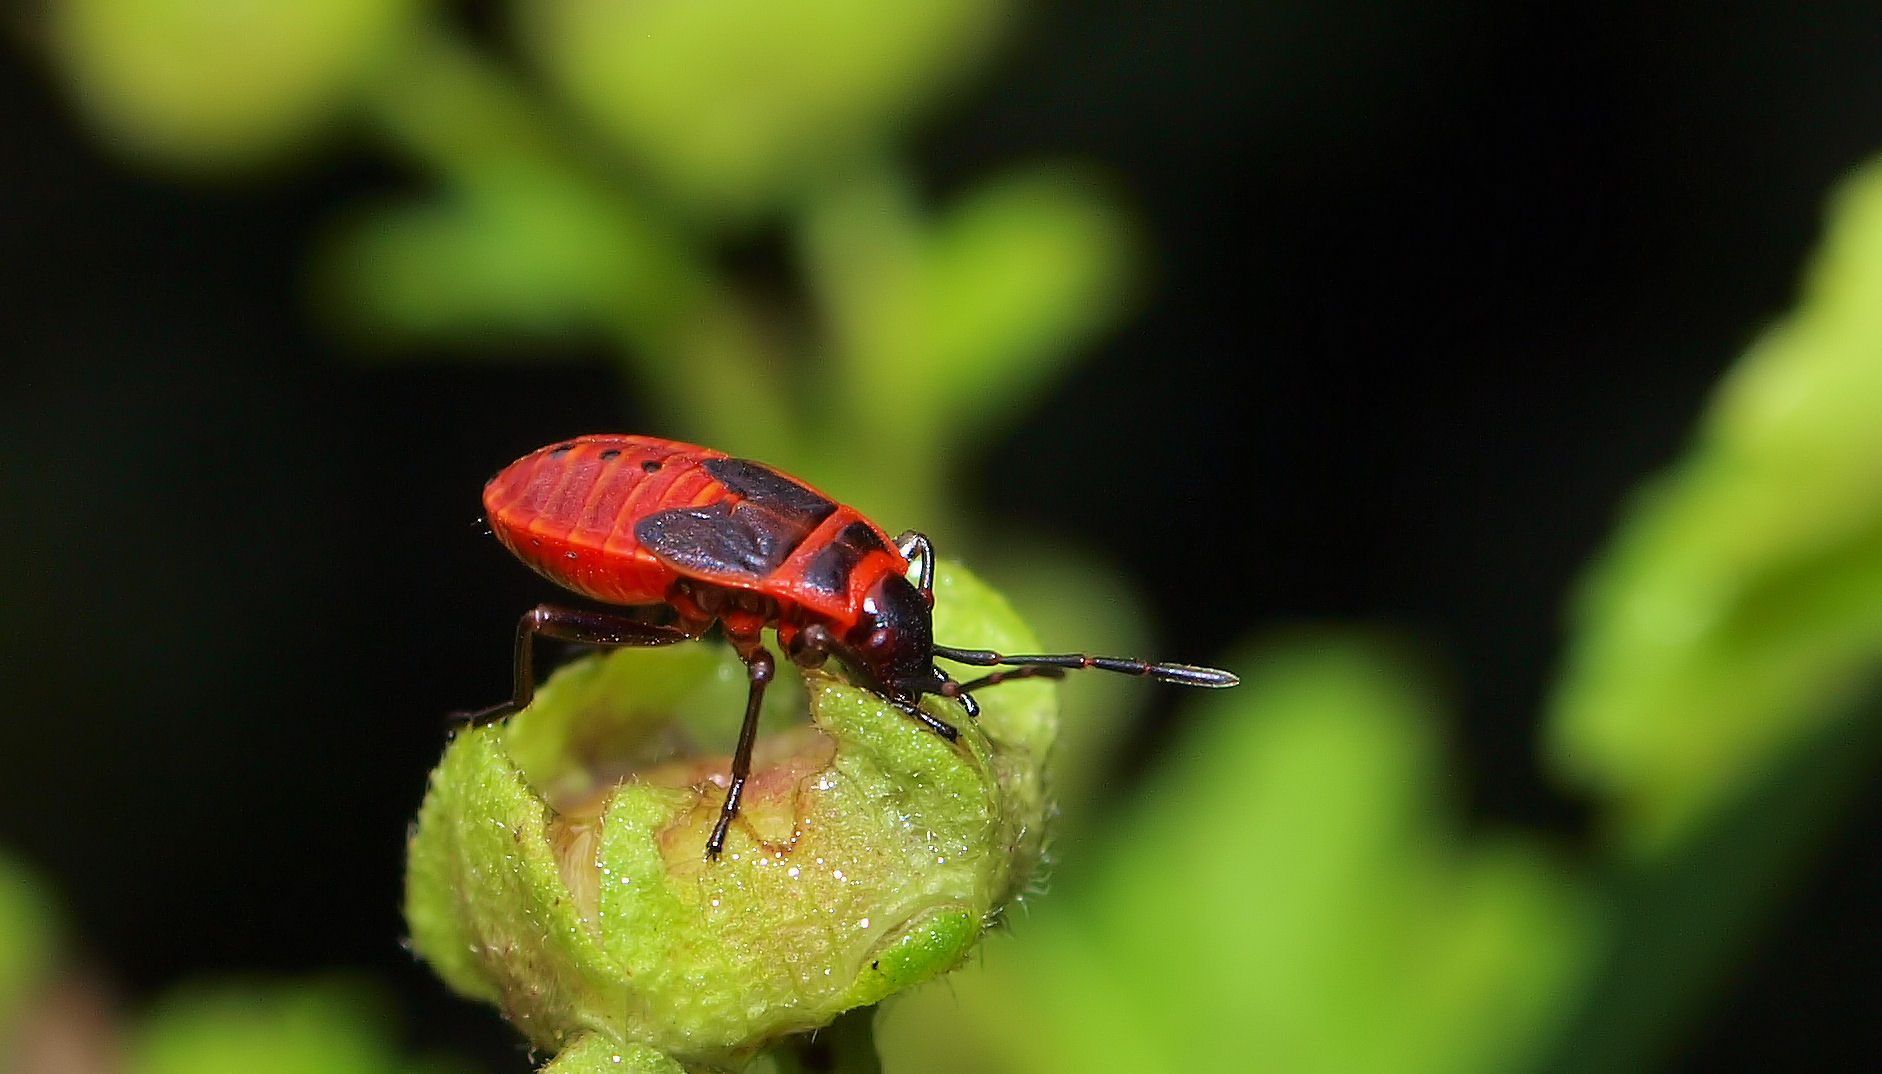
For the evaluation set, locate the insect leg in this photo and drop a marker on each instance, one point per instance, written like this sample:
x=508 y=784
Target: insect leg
x=568 y=624
x=812 y=646
x=938 y=726
x=999 y=677
x=759 y=667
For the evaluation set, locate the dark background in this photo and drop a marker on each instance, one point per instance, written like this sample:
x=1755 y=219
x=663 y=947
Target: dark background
x=1435 y=287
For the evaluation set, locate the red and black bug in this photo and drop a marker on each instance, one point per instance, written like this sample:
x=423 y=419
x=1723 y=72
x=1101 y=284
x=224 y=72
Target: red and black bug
x=638 y=521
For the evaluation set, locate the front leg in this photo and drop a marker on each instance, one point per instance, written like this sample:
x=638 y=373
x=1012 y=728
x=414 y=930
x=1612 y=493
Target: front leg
x=812 y=646
x=939 y=726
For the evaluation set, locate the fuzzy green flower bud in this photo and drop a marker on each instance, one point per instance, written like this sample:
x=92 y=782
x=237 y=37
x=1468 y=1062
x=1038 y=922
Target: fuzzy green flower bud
x=557 y=868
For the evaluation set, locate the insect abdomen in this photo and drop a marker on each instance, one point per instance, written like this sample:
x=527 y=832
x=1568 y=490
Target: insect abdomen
x=568 y=511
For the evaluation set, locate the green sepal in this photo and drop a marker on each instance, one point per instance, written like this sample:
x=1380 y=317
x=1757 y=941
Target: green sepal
x=595 y=1053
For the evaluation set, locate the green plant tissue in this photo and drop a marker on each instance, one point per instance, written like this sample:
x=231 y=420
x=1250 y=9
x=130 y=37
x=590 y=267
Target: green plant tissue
x=1742 y=596
x=29 y=936
x=204 y=86
x=332 y=1026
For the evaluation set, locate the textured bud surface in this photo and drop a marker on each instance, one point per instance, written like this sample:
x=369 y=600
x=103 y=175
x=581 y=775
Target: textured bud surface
x=557 y=867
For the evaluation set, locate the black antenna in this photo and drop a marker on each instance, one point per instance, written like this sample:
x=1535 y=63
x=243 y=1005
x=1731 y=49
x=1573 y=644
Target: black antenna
x=1181 y=674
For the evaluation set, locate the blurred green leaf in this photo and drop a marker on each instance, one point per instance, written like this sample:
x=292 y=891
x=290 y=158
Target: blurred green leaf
x=1016 y=278
x=203 y=86
x=1684 y=921
x=734 y=103
x=956 y=322
x=971 y=313
x=29 y=938
x=524 y=235
x=507 y=251
x=1742 y=595
x=319 y=1027
x=1286 y=879
x=485 y=261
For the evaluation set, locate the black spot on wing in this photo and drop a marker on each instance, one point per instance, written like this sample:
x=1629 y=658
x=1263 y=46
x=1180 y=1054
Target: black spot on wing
x=829 y=570
x=761 y=486
x=713 y=540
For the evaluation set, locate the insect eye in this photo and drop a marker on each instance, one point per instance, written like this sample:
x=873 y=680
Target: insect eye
x=878 y=640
